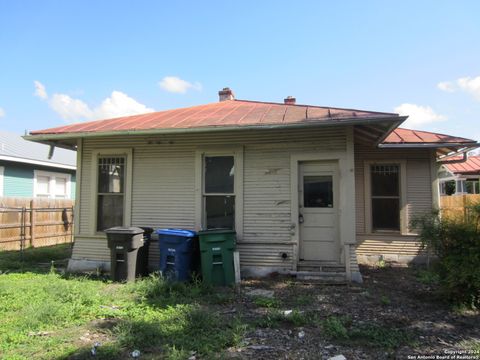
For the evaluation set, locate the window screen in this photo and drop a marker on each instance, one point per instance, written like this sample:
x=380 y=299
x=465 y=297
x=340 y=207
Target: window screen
x=385 y=190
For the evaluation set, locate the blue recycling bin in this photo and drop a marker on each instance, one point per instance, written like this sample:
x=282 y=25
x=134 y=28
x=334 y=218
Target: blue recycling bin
x=176 y=250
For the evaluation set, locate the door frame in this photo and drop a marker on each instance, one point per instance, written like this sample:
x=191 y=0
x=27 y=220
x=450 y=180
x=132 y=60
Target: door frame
x=346 y=191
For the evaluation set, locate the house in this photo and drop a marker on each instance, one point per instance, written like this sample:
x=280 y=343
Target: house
x=460 y=176
x=307 y=188
x=26 y=170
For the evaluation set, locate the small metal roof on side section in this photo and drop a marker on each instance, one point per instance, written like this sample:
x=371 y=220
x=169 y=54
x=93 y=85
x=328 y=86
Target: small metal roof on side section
x=469 y=166
x=14 y=148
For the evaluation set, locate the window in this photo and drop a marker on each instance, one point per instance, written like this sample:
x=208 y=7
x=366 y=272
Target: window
x=219 y=192
x=385 y=196
x=51 y=185
x=472 y=186
x=110 y=191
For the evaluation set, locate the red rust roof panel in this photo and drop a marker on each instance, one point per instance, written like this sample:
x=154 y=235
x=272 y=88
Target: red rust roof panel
x=407 y=136
x=469 y=166
x=225 y=113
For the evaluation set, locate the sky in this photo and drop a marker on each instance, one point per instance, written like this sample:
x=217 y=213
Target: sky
x=68 y=61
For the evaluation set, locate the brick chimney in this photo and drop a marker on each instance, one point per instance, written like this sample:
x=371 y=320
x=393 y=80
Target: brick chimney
x=289 y=100
x=226 y=94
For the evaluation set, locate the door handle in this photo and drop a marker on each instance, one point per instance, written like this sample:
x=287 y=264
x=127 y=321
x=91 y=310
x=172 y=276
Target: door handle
x=300 y=219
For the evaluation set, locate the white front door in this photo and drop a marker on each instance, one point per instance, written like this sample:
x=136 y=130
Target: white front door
x=318 y=211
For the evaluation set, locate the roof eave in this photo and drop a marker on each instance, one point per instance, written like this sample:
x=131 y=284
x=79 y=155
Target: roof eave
x=48 y=138
x=37 y=162
x=428 y=145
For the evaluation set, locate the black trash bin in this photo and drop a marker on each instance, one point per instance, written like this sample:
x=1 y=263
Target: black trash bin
x=124 y=243
x=143 y=252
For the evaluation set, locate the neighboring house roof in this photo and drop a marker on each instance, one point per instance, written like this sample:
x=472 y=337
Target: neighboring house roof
x=470 y=166
x=224 y=114
x=14 y=148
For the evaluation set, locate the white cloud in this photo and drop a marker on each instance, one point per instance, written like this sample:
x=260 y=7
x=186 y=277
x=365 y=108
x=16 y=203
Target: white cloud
x=71 y=109
x=418 y=115
x=40 y=90
x=2 y=112
x=176 y=85
x=467 y=84
x=447 y=86
x=119 y=104
x=470 y=85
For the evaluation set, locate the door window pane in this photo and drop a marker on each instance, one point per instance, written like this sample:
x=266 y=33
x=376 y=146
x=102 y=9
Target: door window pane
x=385 y=180
x=219 y=174
x=385 y=214
x=110 y=211
x=220 y=212
x=318 y=191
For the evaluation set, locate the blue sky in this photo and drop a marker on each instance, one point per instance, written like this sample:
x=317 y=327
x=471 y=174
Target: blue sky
x=65 y=61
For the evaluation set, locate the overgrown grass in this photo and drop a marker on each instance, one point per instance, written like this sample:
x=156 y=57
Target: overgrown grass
x=372 y=335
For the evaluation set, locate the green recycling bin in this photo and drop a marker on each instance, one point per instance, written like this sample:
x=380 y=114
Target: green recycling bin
x=216 y=251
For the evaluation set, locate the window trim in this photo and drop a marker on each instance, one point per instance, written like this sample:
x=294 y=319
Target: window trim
x=52 y=182
x=403 y=197
x=2 y=172
x=237 y=153
x=127 y=200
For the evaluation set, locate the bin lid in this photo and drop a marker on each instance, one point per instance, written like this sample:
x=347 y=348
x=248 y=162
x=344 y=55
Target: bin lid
x=217 y=231
x=124 y=230
x=177 y=232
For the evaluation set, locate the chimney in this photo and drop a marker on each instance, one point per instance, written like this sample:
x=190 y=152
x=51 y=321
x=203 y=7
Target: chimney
x=289 y=100
x=226 y=94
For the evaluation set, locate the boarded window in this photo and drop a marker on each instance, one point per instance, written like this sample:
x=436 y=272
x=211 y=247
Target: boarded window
x=110 y=192
x=385 y=190
x=219 y=192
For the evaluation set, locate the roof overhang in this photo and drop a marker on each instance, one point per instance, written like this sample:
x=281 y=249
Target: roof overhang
x=37 y=162
x=69 y=140
x=444 y=151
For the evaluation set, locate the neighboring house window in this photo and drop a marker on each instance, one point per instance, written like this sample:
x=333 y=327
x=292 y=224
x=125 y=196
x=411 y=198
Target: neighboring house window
x=472 y=186
x=110 y=191
x=51 y=185
x=1 y=180
x=447 y=187
x=219 y=192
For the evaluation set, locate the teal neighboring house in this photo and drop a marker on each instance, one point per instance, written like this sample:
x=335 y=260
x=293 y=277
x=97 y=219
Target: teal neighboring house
x=28 y=170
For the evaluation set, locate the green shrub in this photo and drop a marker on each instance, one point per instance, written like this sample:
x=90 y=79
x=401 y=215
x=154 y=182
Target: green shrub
x=456 y=243
x=334 y=328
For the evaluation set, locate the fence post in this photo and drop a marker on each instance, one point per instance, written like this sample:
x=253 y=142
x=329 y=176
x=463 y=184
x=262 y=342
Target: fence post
x=32 y=222
x=464 y=207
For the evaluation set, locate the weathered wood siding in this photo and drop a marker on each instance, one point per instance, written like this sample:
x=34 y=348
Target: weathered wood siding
x=419 y=199
x=163 y=186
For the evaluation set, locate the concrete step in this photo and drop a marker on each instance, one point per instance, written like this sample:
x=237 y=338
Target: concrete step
x=322 y=277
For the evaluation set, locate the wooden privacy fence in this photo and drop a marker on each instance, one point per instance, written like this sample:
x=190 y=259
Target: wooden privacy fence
x=26 y=222
x=456 y=206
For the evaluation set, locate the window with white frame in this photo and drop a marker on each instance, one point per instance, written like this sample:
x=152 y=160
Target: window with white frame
x=219 y=192
x=385 y=196
x=111 y=172
x=51 y=185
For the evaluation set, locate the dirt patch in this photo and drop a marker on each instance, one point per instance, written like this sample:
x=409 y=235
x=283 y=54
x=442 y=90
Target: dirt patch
x=390 y=315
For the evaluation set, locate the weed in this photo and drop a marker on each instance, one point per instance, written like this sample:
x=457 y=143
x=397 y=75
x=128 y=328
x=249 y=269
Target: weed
x=379 y=336
x=266 y=302
x=384 y=300
x=334 y=328
x=302 y=300
x=428 y=277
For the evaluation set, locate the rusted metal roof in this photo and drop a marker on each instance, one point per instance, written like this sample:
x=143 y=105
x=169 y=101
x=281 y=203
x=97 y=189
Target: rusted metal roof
x=230 y=113
x=407 y=136
x=470 y=166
